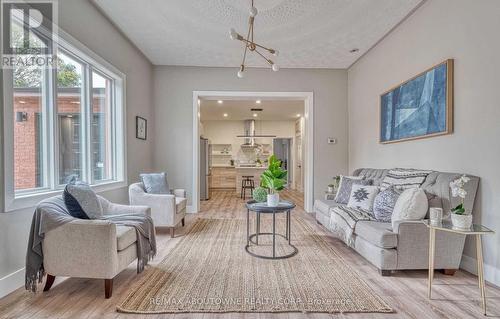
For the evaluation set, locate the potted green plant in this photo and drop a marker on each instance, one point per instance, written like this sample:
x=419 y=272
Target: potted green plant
x=334 y=185
x=460 y=218
x=274 y=180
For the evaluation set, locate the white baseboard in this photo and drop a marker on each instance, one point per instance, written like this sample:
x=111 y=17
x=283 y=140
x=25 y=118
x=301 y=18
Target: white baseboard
x=491 y=273
x=190 y=209
x=11 y=282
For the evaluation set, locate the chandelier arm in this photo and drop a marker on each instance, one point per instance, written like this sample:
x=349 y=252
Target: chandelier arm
x=246 y=46
x=263 y=56
x=257 y=45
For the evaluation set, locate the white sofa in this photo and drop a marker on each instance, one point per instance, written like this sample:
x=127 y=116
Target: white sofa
x=87 y=248
x=166 y=209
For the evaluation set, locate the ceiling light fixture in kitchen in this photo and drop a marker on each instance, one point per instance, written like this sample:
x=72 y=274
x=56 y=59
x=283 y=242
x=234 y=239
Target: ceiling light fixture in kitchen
x=225 y=115
x=258 y=101
x=298 y=115
x=220 y=101
x=254 y=114
x=251 y=45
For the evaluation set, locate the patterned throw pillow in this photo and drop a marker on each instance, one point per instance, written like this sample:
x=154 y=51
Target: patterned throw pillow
x=404 y=178
x=81 y=201
x=155 y=183
x=362 y=197
x=384 y=204
x=345 y=187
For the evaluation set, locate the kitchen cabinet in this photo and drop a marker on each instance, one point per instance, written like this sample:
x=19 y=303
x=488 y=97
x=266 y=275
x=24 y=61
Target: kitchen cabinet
x=223 y=177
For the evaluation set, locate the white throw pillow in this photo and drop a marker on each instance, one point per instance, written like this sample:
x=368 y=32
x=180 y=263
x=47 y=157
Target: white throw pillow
x=362 y=197
x=412 y=204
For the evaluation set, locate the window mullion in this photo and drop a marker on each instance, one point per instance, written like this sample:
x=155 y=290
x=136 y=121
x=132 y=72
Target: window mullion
x=50 y=130
x=86 y=125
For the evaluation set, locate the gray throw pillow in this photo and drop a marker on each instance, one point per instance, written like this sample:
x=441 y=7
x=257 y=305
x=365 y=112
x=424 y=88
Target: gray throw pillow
x=345 y=188
x=384 y=203
x=81 y=201
x=155 y=183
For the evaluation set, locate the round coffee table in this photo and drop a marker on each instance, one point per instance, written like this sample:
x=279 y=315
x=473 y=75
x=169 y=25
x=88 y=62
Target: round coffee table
x=262 y=208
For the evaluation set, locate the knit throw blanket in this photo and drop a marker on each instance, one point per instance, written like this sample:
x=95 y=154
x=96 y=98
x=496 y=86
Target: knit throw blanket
x=52 y=213
x=343 y=221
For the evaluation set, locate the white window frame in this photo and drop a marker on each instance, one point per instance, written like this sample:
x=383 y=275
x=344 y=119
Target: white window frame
x=24 y=199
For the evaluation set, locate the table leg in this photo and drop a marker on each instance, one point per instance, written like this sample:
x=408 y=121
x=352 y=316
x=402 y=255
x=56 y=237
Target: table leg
x=480 y=271
x=432 y=247
x=248 y=227
x=257 y=227
x=274 y=234
x=289 y=227
x=286 y=225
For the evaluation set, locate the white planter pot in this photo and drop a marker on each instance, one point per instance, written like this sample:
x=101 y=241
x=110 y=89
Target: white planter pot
x=330 y=190
x=273 y=200
x=461 y=221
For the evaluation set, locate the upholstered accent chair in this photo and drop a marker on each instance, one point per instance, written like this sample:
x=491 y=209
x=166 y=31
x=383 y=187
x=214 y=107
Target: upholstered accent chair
x=167 y=210
x=91 y=248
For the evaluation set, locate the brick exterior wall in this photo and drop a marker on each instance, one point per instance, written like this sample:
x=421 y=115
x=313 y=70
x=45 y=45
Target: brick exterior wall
x=26 y=133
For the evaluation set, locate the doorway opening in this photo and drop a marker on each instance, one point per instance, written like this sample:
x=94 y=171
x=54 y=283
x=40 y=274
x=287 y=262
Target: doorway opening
x=225 y=150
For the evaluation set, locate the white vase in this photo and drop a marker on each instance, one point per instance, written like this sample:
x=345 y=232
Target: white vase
x=461 y=221
x=273 y=200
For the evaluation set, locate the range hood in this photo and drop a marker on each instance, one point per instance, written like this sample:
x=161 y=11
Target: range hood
x=249 y=134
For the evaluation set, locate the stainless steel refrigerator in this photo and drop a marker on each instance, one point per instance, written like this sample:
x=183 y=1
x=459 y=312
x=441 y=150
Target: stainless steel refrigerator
x=282 y=149
x=205 y=168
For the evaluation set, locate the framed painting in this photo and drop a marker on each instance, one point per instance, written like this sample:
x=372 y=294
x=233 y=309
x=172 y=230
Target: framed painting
x=141 y=128
x=420 y=107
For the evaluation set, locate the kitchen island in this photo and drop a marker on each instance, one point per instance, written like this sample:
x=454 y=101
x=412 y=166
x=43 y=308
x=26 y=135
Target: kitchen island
x=254 y=171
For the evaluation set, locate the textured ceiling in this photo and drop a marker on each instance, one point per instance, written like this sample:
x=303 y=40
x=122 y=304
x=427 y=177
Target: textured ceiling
x=307 y=33
x=275 y=110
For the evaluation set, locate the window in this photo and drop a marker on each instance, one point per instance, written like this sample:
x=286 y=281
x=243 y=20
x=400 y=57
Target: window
x=66 y=122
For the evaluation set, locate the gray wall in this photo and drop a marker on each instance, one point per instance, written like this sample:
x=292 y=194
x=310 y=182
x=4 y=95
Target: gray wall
x=173 y=98
x=84 y=22
x=468 y=32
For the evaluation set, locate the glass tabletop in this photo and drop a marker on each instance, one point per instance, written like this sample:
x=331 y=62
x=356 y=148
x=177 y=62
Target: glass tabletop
x=446 y=225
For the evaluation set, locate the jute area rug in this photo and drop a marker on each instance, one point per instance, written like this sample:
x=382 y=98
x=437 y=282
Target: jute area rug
x=209 y=271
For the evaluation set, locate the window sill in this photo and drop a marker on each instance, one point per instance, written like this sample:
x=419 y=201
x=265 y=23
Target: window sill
x=31 y=200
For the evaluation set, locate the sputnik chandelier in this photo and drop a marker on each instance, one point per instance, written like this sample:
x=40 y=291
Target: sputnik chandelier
x=251 y=46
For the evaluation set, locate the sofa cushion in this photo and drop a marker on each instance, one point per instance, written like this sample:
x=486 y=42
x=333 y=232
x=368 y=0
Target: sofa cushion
x=404 y=178
x=180 y=204
x=323 y=206
x=412 y=204
x=125 y=236
x=362 y=197
x=345 y=187
x=377 y=233
x=384 y=204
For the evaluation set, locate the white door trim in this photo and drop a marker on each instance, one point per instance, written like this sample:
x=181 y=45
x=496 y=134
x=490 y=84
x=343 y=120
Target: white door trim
x=307 y=97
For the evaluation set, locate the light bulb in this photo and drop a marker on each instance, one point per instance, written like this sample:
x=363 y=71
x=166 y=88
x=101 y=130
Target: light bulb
x=253 y=11
x=233 y=34
x=241 y=74
x=276 y=53
x=275 y=67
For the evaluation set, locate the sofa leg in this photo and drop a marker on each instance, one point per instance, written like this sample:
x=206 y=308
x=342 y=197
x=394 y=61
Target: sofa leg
x=449 y=272
x=183 y=222
x=172 y=232
x=108 y=288
x=384 y=272
x=317 y=222
x=49 y=282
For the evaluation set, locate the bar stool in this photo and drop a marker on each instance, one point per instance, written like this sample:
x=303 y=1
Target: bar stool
x=246 y=183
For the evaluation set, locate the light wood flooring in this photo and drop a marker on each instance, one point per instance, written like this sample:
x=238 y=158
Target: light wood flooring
x=406 y=291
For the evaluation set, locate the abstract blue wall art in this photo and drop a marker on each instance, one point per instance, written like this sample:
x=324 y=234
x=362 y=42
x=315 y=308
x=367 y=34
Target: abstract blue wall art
x=420 y=107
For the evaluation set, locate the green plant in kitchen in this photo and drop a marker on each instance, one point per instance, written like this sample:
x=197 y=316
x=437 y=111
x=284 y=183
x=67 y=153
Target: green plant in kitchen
x=259 y=194
x=274 y=179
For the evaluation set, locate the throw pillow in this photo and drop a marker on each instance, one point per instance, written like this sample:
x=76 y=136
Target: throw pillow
x=412 y=204
x=362 y=197
x=384 y=203
x=155 y=183
x=81 y=201
x=345 y=187
x=404 y=178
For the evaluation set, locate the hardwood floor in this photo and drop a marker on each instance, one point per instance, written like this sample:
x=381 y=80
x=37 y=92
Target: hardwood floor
x=406 y=291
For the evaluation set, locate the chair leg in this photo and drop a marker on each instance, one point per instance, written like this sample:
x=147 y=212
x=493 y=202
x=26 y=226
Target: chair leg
x=172 y=232
x=449 y=272
x=183 y=222
x=49 y=282
x=108 y=288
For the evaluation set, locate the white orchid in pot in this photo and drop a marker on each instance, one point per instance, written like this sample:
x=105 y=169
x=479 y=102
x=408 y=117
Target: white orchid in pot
x=460 y=218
